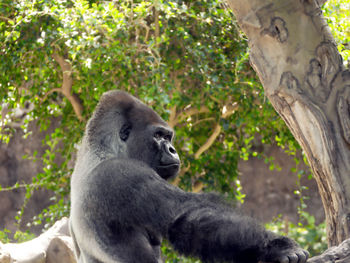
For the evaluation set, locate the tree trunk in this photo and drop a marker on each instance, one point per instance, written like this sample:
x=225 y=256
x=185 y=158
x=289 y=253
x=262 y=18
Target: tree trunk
x=303 y=75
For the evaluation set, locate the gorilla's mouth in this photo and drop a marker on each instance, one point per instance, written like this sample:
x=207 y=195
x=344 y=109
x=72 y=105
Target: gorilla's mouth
x=167 y=171
x=169 y=166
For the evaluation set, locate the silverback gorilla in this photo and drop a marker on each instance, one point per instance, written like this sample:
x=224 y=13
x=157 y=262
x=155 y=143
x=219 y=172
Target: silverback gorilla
x=122 y=206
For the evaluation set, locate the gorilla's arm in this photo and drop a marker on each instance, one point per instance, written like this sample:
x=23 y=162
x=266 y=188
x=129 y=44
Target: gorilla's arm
x=216 y=233
x=195 y=224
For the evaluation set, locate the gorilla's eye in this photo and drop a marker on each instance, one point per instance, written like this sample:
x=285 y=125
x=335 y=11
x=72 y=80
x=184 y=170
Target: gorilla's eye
x=125 y=131
x=158 y=135
x=167 y=137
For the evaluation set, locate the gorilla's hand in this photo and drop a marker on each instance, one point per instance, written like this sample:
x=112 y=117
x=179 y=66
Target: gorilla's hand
x=284 y=250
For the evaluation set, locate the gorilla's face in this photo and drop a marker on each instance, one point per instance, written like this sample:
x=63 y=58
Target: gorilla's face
x=143 y=134
x=153 y=145
x=167 y=162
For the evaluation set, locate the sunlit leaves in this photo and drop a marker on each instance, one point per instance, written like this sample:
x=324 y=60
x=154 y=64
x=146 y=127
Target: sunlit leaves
x=310 y=236
x=337 y=14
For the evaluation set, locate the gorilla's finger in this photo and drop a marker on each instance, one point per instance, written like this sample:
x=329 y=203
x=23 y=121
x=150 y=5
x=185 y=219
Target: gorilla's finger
x=284 y=259
x=302 y=257
x=306 y=253
x=293 y=258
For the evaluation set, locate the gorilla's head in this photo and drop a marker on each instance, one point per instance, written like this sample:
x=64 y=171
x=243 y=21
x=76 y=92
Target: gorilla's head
x=124 y=127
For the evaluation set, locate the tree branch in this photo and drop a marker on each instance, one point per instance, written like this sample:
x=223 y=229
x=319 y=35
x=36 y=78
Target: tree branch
x=197 y=187
x=172 y=118
x=209 y=142
x=156 y=24
x=190 y=112
x=339 y=254
x=67 y=84
x=49 y=92
x=227 y=111
x=5 y=18
x=176 y=181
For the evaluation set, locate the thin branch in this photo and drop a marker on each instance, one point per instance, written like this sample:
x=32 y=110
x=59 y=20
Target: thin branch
x=226 y=111
x=209 y=142
x=172 y=118
x=204 y=120
x=180 y=175
x=67 y=84
x=6 y=18
x=23 y=185
x=197 y=187
x=11 y=188
x=49 y=92
x=147 y=32
x=26 y=85
x=229 y=109
x=156 y=24
x=190 y=112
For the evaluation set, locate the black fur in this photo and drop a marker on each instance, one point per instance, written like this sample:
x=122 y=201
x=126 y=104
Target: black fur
x=122 y=206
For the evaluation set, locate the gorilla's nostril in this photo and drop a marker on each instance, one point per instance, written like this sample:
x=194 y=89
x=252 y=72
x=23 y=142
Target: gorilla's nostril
x=172 y=150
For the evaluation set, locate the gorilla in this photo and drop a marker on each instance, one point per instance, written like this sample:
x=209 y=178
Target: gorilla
x=122 y=205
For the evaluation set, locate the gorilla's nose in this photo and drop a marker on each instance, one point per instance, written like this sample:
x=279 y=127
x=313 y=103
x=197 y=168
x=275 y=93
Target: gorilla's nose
x=170 y=149
x=171 y=153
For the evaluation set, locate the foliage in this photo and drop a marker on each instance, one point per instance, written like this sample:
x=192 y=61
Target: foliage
x=172 y=257
x=185 y=59
x=310 y=236
x=4 y=236
x=19 y=236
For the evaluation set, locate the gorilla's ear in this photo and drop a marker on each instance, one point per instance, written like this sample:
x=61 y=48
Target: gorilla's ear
x=125 y=131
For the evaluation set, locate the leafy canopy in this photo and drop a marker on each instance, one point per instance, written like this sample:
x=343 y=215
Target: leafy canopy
x=187 y=60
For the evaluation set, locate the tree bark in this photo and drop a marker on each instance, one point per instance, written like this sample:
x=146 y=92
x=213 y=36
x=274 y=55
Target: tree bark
x=53 y=246
x=339 y=254
x=67 y=83
x=296 y=58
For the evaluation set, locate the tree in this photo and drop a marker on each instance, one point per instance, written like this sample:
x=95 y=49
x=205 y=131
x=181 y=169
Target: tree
x=304 y=77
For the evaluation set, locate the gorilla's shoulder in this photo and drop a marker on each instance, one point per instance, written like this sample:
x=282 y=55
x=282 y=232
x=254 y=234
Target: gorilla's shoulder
x=124 y=168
